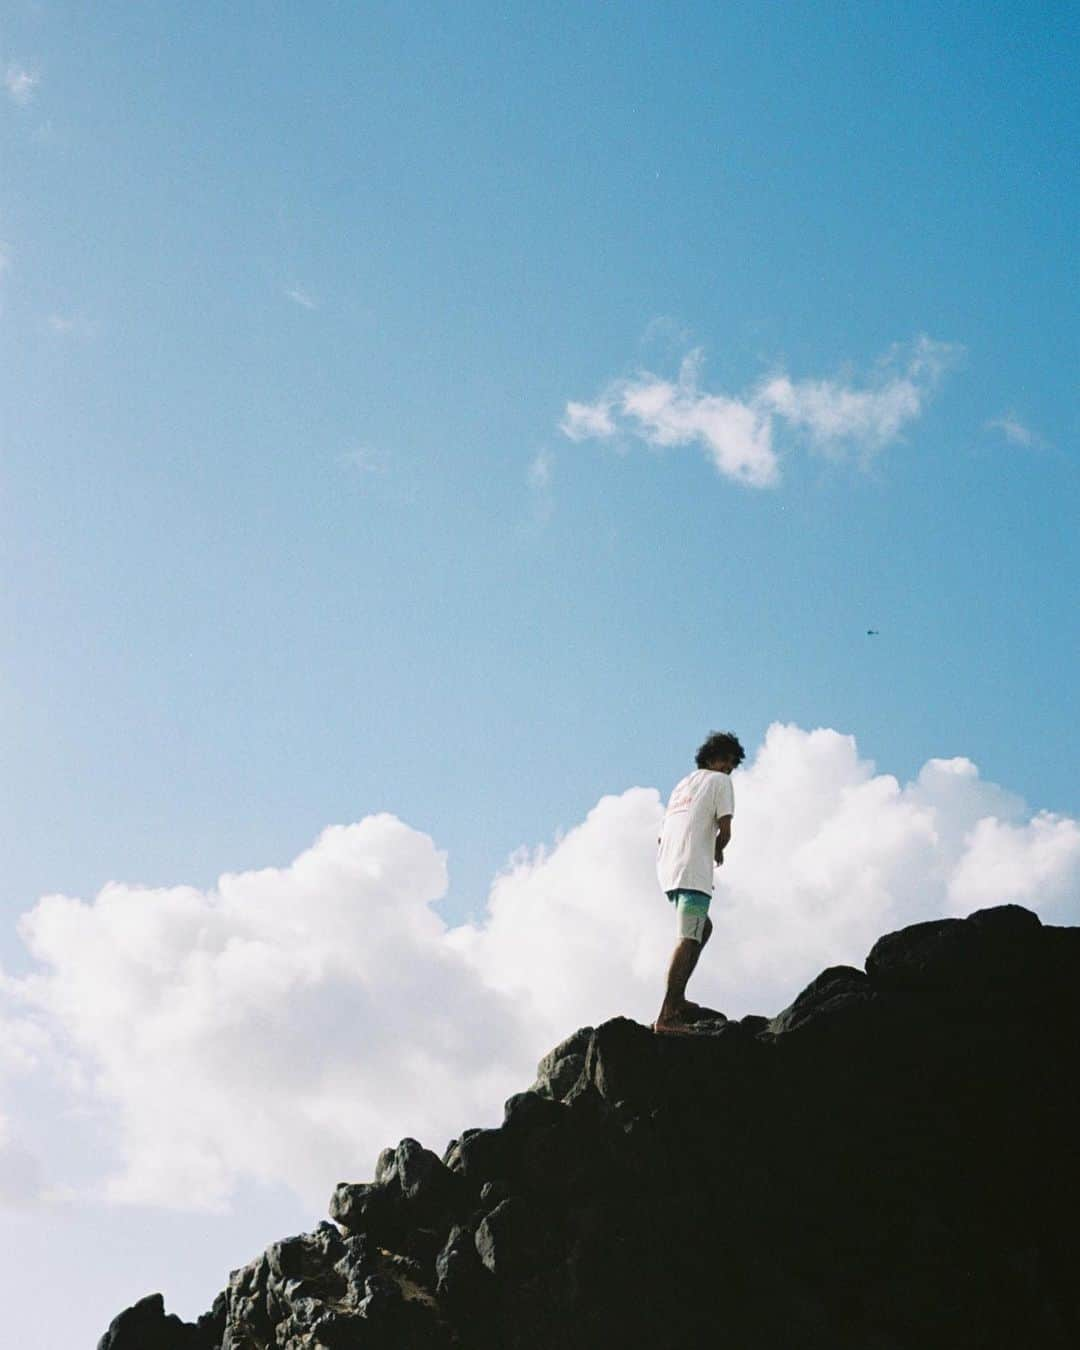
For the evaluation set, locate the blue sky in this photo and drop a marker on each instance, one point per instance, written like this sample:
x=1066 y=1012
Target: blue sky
x=293 y=302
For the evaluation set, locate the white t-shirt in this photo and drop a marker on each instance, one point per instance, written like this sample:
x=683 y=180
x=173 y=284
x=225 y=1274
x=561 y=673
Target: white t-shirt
x=688 y=837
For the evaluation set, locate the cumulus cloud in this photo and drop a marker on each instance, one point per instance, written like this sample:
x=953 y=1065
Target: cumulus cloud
x=25 y=1049
x=737 y=431
x=286 y=1024
x=276 y=1027
x=1031 y=864
x=20 y=1171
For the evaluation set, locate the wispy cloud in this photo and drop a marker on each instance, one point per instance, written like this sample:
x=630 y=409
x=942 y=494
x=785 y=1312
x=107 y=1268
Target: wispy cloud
x=301 y=297
x=71 y=325
x=540 y=471
x=21 y=84
x=363 y=462
x=1016 y=432
x=667 y=331
x=585 y=421
x=836 y=414
x=364 y=459
x=539 y=478
x=836 y=417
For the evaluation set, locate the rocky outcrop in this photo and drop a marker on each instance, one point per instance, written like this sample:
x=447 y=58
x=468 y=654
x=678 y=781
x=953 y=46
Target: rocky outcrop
x=890 y=1163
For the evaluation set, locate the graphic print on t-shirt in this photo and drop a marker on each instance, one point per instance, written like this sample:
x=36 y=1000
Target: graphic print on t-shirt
x=681 y=800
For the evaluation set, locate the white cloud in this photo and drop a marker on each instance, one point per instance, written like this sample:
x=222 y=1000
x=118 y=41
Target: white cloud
x=868 y=417
x=1032 y=864
x=1015 y=432
x=276 y=1027
x=832 y=413
x=301 y=297
x=285 y=1025
x=737 y=431
x=733 y=433
x=20 y=1170
x=587 y=421
x=20 y=84
x=25 y=1050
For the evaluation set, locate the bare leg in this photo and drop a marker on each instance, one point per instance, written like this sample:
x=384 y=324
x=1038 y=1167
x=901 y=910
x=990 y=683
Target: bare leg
x=674 y=1008
x=677 y=1008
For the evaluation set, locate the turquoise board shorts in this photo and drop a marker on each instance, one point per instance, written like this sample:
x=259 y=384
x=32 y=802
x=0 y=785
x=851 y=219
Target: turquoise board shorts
x=692 y=911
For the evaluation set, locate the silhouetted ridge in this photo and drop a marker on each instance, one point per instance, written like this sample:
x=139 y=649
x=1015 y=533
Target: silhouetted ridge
x=890 y=1163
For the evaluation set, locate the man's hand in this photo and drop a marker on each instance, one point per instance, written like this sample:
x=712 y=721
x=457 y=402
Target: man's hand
x=719 y=855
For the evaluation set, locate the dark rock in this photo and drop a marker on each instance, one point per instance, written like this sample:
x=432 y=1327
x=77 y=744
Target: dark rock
x=324 y=1290
x=386 y=1166
x=888 y=1164
x=511 y=1241
x=481 y=1155
x=561 y=1068
x=361 y=1206
x=410 y=1208
x=146 y=1326
x=563 y=1075
x=459 y=1270
x=621 y=1061
x=430 y=1190
x=304 y=1256
x=1007 y=922
x=576 y=1044
x=211 y=1325
x=491 y=1194
x=836 y=991
x=415 y=1169
x=994 y=949
x=529 y=1110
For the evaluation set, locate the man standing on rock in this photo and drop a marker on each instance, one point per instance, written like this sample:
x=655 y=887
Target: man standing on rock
x=696 y=830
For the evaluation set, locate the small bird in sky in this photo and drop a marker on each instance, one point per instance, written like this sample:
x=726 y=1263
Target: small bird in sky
x=872 y=632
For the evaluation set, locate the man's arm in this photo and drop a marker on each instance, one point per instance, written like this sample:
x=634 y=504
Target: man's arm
x=723 y=838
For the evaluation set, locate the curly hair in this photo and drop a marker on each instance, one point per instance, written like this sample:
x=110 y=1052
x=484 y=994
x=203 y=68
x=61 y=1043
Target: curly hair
x=720 y=745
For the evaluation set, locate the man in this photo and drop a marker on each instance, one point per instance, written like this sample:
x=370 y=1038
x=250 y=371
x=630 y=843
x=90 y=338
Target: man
x=696 y=830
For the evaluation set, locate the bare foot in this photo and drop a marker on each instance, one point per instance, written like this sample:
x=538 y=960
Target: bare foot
x=677 y=1022
x=675 y=1029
